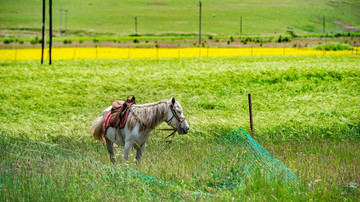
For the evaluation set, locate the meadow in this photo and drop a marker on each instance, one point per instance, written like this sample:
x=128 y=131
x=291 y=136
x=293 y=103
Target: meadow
x=21 y=18
x=306 y=113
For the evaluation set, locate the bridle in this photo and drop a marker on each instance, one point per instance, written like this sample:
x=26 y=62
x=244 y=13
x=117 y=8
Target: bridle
x=180 y=119
x=177 y=117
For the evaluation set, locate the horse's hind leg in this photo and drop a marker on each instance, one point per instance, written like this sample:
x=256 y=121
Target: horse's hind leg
x=110 y=148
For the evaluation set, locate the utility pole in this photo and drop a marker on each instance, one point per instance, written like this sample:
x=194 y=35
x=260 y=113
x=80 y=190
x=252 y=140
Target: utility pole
x=60 y=21
x=66 y=12
x=240 y=25
x=324 y=24
x=50 y=28
x=43 y=33
x=200 y=22
x=136 y=25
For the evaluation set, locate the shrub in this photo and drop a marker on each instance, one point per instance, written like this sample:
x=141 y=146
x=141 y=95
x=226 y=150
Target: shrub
x=210 y=37
x=21 y=42
x=34 y=41
x=95 y=40
x=7 y=41
x=136 y=41
x=292 y=33
x=232 y=39
x=81 y=41
x=286 y=39
x=67 y=41
x=334 y=47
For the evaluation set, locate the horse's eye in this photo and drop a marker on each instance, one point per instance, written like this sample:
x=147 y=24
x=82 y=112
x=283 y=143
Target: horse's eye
x=179 y=111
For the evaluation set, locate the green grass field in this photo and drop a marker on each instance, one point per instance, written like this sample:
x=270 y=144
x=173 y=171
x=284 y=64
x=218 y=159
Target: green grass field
x=161 y=17
x=302 y=105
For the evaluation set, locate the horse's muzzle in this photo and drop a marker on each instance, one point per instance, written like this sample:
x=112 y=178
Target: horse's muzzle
x=183 y=131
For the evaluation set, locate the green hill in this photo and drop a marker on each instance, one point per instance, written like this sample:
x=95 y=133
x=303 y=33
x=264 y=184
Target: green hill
x=162 y=17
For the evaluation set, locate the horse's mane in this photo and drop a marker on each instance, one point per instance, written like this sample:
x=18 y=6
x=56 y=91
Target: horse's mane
x=148 y=115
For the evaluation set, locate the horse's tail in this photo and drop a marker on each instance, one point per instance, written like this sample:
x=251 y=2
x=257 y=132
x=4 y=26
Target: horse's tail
x=96 y=129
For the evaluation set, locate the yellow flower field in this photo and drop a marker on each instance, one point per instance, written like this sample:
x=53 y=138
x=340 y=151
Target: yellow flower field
x=118 y=53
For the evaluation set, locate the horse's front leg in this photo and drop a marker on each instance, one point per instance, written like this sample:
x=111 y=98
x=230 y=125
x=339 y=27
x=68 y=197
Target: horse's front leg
x=127 y=148
x=139 y=153
x=110 y=148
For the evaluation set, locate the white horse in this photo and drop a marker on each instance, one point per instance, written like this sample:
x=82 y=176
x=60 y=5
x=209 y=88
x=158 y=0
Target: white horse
x=142 y=119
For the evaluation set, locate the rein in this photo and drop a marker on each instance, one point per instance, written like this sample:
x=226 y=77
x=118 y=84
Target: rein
x=174 y=130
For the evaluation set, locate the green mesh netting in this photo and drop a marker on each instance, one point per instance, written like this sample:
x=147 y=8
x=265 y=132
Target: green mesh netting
x=237 y=157
x=37 y=171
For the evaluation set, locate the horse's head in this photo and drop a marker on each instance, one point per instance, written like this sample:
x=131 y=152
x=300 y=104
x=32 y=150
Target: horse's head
x=176 y=118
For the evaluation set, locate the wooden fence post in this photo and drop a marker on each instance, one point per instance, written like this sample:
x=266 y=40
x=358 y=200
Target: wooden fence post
x=251 y=117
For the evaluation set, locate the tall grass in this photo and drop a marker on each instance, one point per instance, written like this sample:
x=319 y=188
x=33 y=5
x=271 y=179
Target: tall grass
x=302 y=106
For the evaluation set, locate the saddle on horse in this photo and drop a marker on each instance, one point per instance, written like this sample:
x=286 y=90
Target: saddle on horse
x=120 y=111
x=118 y=114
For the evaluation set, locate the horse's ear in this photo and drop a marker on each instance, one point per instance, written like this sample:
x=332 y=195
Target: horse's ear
x=172 y=100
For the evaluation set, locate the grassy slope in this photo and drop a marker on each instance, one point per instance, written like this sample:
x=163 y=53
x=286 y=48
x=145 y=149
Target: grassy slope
x=161 y=16
x=299 y=103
